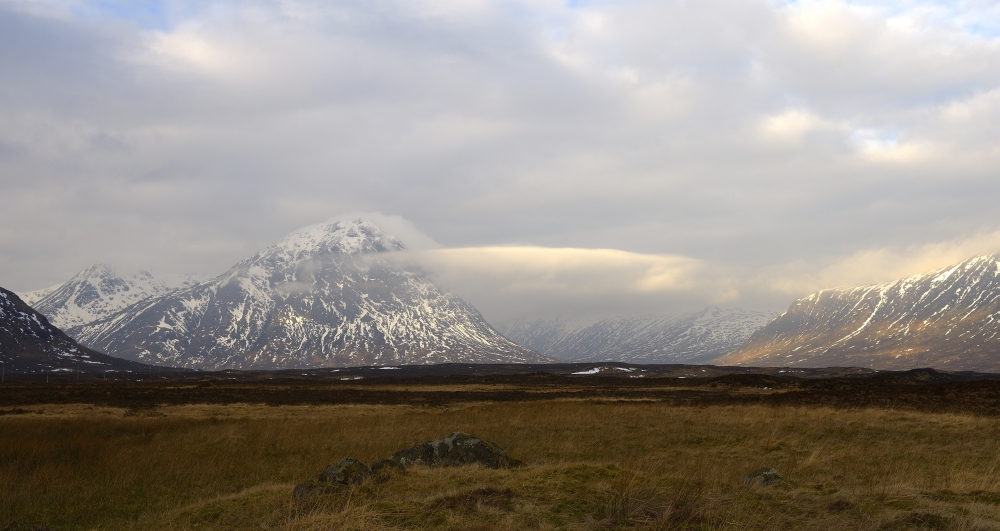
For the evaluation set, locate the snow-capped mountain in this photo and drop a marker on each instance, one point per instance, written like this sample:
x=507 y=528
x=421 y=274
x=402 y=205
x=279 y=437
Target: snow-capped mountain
x=325 y=295
x=32 y=297
x=688 y=338
x=949 y=318
x=543 y=335
x=99 y=291
x=30 y=344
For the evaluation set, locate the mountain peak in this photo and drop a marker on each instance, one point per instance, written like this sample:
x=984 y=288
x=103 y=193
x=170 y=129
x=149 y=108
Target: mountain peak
x=359 y=236
x=99 y=268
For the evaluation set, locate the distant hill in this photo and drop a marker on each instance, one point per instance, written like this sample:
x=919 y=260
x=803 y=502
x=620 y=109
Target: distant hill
x=30 y=344
x=686 y=338
x=947 y=319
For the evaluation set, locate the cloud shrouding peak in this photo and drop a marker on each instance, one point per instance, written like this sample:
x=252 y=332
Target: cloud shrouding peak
x=698 y=142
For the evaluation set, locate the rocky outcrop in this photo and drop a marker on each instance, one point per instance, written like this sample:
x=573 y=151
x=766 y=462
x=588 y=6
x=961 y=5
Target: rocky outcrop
x=456 y=449
x=347 y=471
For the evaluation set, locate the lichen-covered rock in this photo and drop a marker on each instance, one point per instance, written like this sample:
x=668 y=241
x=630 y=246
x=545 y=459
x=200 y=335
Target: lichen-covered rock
x=455 y=449
x=347 y=471
x=763 y=477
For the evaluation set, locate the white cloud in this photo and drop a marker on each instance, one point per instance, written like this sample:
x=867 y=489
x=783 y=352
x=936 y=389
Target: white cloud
x=531 y=269
x=875 y=266
x=793 y=125
x=516 y=281
x=506 y=282
x=184 y=49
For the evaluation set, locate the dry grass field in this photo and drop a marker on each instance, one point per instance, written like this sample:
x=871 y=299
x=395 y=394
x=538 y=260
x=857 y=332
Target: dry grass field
x=587 y=464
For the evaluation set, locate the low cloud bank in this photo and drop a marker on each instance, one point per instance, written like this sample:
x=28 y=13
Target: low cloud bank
x=505 y=282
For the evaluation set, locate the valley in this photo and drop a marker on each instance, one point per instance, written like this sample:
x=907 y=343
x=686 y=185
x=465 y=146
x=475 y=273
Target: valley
x=868 y=451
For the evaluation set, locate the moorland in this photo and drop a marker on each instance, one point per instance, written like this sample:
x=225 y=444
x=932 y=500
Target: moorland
x=670 y=450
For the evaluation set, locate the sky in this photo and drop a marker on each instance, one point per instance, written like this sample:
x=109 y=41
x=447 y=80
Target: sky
x=541 y=157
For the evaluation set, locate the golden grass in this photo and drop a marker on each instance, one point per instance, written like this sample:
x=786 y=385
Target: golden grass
x=588 y=465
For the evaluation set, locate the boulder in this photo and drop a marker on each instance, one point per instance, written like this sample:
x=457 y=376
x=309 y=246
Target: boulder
x=764 y=477
x=454 y=450
x=347 y=471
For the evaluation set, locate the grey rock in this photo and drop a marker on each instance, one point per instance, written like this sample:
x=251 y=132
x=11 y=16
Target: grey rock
x=347 y=471
x=763 y=477
x=456 y=449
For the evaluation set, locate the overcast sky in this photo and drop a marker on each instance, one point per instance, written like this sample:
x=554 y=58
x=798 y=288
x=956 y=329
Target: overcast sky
x=553 y=156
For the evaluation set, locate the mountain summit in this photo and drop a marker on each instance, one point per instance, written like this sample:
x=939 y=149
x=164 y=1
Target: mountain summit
x=357 y=237
x=325 y=295
x=948 y=319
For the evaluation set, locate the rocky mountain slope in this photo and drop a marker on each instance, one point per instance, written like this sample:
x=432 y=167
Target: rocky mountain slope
x=948 y=319
x=30 y=344
x=687 y=338
x=99 y=291
x=323 y=296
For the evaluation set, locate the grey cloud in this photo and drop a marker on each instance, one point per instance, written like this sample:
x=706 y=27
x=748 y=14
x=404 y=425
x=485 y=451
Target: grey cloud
x=743 y=135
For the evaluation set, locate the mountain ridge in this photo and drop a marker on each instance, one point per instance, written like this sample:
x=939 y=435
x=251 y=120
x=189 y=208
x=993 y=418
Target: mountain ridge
x=948 y=318
x=29 y=343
